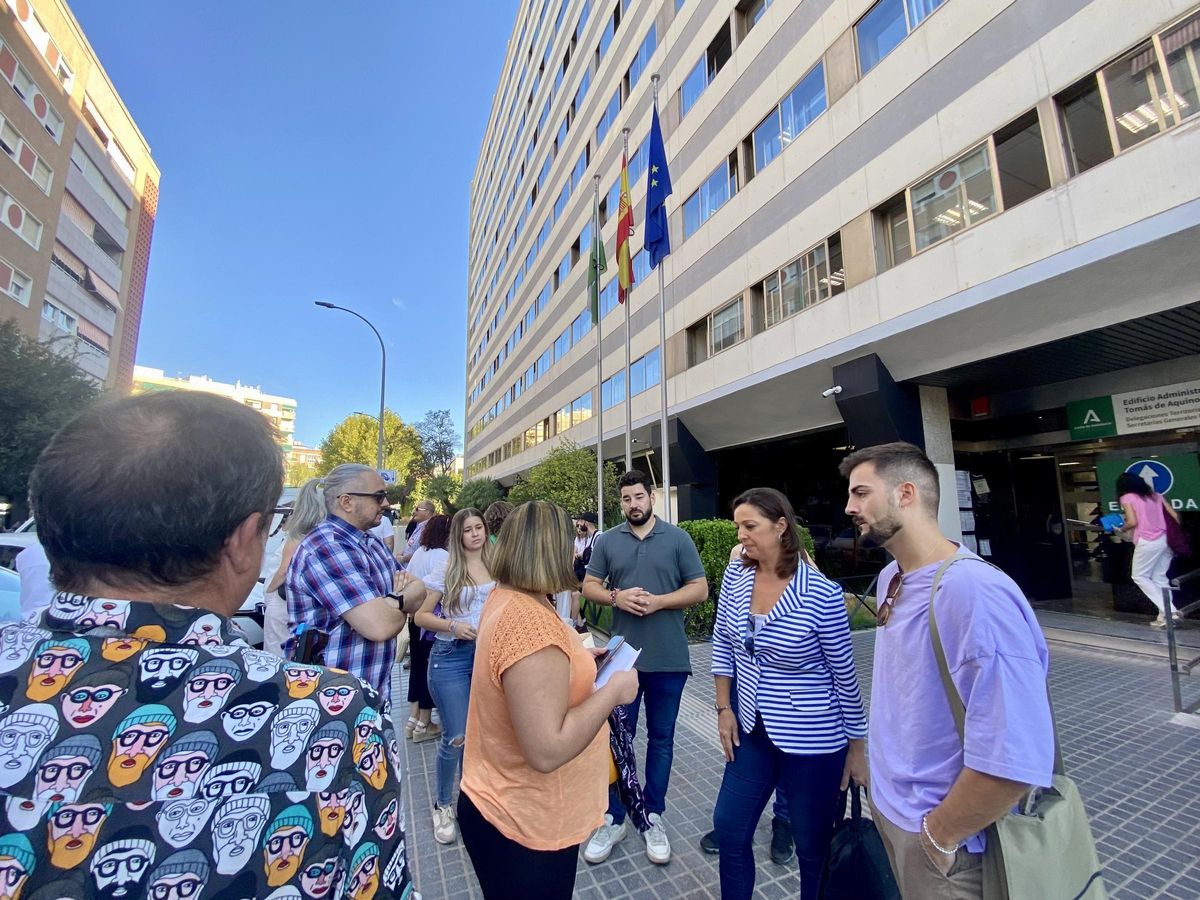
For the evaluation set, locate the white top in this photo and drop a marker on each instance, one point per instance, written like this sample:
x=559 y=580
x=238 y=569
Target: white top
x=36 y=589
x=471 y=600
x=425 y=561
x=562 y=602
x=384 y=529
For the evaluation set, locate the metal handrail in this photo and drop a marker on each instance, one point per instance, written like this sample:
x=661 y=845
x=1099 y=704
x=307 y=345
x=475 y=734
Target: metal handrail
x=1169 y=613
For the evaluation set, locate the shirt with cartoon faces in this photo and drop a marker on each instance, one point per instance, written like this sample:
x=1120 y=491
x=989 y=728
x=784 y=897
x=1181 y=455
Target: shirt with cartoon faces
x=147 y=750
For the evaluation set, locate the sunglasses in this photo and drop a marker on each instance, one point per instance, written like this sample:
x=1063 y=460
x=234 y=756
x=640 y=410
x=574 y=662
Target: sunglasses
x=379 y=497
x=884 y=613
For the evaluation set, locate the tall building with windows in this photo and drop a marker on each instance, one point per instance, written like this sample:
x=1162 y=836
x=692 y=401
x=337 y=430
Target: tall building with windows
x=950 y=221
x=281 y=411
x=78 y=194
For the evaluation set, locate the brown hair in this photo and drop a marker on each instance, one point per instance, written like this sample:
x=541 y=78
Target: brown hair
x=774 y=506
x=494 y=515
x=897 y=463
x=536 y=549
x=458 y=576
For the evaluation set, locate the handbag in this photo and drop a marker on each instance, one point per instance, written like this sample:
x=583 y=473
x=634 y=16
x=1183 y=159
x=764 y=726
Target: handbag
x=1177 y=539
x=857 y=867
x=1044 y=848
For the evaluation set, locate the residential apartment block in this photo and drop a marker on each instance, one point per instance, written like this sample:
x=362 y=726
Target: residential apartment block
x=949 y=221
x=78 y=195
x=280 y=410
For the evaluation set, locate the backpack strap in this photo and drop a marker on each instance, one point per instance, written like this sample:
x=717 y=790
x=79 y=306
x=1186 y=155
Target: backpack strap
x=957 y=709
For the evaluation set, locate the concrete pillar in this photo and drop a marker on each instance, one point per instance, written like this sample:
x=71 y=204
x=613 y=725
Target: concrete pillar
x=939 y=447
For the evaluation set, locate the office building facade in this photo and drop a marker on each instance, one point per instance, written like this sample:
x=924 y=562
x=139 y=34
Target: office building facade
x=951 y=221
x=79 y=195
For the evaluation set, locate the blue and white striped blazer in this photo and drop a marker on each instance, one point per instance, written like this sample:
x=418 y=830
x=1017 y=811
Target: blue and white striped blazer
x=801 y=678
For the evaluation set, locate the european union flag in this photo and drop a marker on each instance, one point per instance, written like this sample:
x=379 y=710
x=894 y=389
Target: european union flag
x=658 y=239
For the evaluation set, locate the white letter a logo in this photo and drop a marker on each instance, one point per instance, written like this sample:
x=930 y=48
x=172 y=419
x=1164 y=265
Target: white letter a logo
x=1092 y=418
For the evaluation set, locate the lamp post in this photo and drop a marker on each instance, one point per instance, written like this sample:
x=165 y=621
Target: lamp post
x=382 y=374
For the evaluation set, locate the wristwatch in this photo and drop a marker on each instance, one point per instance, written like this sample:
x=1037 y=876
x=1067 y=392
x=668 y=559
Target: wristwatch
x=399 y=598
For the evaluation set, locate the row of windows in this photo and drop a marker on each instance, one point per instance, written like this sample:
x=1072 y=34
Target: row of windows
x=26 y=88
x=59 y=317
x=24 y=155
x=885 y=25
x=644 y=373
x=40 y=38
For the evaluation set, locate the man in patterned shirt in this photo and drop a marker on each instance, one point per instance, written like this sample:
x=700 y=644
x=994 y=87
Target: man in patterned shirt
x=120 y=772
x=344 y=581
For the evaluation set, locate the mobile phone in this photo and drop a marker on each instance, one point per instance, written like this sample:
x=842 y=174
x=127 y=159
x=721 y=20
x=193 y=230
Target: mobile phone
x=610 y=649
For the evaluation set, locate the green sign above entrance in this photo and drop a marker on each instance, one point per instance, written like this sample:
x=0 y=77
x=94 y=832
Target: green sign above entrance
x=1088 y=419
x=1176 y=477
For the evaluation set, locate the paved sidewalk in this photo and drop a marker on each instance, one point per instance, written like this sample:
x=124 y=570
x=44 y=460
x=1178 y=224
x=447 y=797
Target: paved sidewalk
x=1136 y=767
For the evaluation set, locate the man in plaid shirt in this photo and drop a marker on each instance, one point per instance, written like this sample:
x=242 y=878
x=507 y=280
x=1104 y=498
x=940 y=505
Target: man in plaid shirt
x=344 y=581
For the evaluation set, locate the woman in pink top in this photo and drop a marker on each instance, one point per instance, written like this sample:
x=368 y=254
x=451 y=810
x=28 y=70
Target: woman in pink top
x=1145 y=517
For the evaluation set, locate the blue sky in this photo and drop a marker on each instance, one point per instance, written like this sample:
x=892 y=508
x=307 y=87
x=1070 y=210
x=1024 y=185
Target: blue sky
x=309 y=151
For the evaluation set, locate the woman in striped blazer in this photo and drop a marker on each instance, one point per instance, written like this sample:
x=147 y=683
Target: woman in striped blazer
x=789 y=711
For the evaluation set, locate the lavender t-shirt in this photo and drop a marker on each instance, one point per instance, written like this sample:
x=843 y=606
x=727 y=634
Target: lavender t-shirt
x=998 y=662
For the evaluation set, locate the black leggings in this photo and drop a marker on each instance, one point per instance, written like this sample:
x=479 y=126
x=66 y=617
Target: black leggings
x=418 y=673
x=506 y=869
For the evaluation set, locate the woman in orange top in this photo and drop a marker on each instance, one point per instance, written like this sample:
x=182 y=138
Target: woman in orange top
x=536 y=760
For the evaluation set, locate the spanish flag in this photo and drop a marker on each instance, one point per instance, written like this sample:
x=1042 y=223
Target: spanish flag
x=624 y=231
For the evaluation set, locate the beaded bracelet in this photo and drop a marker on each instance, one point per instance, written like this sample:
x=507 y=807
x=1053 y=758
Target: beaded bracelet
x=936 y=846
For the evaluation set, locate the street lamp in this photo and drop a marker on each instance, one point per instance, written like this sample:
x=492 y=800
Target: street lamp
x=382 y=374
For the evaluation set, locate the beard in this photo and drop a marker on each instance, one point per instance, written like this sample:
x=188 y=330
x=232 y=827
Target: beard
x=880 y=532
x=43 y=687
x=638 y=516
x=331 y=820
x=68 y=851
x=280 y=871
x=122 y=775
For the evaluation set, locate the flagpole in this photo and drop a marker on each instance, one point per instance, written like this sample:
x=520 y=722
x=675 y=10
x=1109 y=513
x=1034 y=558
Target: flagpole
x=596 y=236
x=628 y=302
x=662 y=367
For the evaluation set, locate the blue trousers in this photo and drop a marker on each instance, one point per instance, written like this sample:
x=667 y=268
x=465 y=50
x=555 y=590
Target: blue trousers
x=662 y=692
x=810 y=785
x=450 y=665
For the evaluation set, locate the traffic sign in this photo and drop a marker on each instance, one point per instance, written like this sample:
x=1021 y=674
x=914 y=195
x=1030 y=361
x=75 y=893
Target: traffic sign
x=388 y=476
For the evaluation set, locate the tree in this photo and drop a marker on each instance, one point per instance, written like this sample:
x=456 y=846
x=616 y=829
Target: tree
x=440 y=440
x=297 y=473
x=355 y=438
x=479 y=493
x=567 y=476
x=42 y=391
x=442 y=489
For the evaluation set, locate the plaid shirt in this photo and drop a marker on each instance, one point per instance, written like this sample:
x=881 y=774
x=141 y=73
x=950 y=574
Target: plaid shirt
x=337 y=567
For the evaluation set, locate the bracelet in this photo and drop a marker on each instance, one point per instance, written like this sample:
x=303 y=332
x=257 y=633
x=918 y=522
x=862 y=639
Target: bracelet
x=936 y=846
x=452 y=634
x=721 y=709
x=612 y=597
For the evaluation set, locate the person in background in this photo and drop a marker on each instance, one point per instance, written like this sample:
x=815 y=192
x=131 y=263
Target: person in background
x=431 y=556
x=1146 y=514
x=421 y=514
x=537 y=754
x=649 y=572
x=342 y=580
x=36 y=588
x=932 y=795
x=585 y=537
x=386 y=532
x=797 y=724
x=460 y=587
x=307 y=513
x=494 y=516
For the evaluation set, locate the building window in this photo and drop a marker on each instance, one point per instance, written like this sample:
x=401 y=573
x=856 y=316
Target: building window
x=815 y=276
x=953 y=199
x=643 y=373
x=767 y=141
x=697 y=343
x=727 y=327
x=749 y=12
x=885 y=25
x=642 y=60
x=60 y=318
x=713 y=60
x=581 y=326
x=1021 y=160
x=19 y=220
x=581 y=408
x=26 y=88
x=612 y=390
x=1085 y=127
x=711 y=195
x=801 y=107
x=894 y=239
x=562 y=344
x=608 y=298
x=15 y=283
x=608 y=117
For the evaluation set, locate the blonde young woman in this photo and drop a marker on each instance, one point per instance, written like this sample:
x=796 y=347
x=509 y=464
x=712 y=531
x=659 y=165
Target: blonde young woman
x=536 y=767
x=307 y=514
x=458 y=590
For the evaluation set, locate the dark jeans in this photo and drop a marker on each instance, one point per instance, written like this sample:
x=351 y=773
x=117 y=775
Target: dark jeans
x=506 y=869
x=810 y=784
x=418 y=674
x=663 y=691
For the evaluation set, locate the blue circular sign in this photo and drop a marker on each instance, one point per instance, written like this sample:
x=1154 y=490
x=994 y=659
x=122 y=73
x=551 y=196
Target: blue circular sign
x=1156 y=474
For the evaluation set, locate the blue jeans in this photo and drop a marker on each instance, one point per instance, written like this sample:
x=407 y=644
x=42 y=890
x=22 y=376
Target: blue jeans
x=810 y=784
x=450 y=665
x=663 y=691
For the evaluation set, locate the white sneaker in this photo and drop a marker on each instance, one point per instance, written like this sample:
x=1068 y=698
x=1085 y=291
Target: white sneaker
x=601 y=843
x=658 y=846
x=445 y=829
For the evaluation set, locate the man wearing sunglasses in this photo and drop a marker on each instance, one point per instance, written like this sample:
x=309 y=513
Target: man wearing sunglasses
x=344 y=582
x=137 y=725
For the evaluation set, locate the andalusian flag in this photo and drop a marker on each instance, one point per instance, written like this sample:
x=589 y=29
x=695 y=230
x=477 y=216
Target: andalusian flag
x=624 y=231
x=597 y=264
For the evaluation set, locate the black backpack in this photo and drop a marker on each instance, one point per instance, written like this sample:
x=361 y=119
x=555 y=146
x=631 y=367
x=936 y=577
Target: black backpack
x=857 y=867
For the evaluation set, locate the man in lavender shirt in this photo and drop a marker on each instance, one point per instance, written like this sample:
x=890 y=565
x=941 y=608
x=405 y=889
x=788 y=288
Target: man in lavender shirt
x=931 y=796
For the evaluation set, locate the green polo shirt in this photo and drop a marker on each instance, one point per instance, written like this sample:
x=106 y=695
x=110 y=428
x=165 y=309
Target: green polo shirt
x=662 y=562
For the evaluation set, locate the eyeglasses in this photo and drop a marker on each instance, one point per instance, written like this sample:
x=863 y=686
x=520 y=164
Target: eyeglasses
x=379 y=497
x=884 y=613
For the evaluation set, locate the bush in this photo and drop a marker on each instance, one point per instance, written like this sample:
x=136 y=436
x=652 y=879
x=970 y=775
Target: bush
x=567 y=477
x=479 y=493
